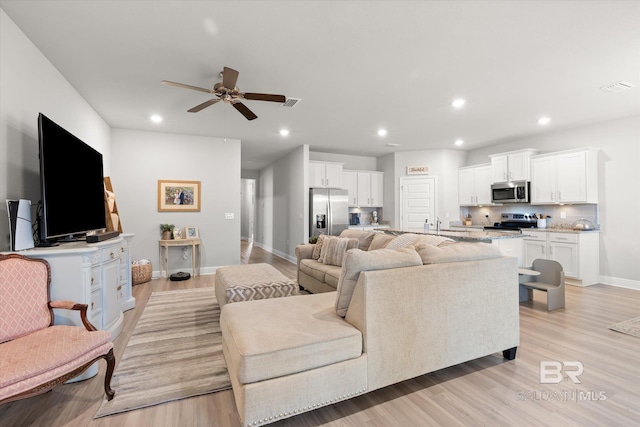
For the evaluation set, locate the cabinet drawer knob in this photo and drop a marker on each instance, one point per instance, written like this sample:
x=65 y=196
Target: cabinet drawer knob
x=111 y=254
x=92 y=304
x=119 y=287
x=92 y=280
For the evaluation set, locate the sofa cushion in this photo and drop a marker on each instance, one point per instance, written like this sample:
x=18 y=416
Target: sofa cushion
x=272 y=338
x=315 y=269
x=357 y=260
x=334 y=248
x=380 y=240
x=332 y=277
x=364 y=237
x=408 y=239
x=454 y=252
x=318 y=247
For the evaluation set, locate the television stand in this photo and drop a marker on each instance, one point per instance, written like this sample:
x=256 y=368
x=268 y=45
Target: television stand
x=100 y=237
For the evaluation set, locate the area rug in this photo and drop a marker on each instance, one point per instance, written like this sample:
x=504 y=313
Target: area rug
x=630 y=327
x=175 y=352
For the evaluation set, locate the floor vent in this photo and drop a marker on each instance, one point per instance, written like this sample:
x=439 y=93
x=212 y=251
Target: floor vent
x=290 y=102
x=618 y=87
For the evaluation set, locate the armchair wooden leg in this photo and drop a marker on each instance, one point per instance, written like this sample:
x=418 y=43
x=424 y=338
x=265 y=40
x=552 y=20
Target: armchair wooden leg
x=111 y=364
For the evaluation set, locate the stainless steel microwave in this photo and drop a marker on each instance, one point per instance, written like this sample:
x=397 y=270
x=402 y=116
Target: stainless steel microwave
x=510 y=192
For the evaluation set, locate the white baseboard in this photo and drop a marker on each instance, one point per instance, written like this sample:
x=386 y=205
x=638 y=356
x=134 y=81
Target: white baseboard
x=276 y=252
x=621 y=283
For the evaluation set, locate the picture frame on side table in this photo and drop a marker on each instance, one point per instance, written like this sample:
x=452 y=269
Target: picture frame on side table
x=191 y=232
x=179 y=196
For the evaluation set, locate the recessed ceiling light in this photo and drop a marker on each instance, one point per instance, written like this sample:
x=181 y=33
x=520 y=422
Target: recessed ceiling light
x=392 y=144
x=458 y=103
x=459 y=142
x=284 y=132
x=544 y=121
x=382 y=132
x=156 y=118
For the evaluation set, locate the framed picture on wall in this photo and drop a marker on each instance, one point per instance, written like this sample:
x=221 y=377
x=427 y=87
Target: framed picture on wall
x=178 y=196
x=191 y=232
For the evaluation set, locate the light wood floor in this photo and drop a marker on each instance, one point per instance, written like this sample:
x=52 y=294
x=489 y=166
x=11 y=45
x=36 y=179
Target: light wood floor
x=486 y=391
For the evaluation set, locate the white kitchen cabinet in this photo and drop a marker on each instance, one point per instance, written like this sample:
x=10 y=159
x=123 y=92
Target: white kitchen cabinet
x=325 y=175
x=474 y=185
x=578 y=253
x=565 y=177
x=350 y=183
x=365 y=188
x=511 y=166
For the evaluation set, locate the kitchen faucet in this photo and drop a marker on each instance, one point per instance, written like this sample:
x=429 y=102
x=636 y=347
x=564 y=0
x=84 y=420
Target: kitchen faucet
x=438 y=222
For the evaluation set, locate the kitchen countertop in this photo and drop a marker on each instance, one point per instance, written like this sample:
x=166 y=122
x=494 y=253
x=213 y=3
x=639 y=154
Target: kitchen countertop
x=549 y=229
x=462 y=235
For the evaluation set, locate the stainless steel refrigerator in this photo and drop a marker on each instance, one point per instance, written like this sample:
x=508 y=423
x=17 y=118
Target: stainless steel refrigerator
x=328 y=210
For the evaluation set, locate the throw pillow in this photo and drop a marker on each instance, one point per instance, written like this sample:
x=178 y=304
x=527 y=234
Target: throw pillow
x=456 y=252
x=357 y=260
x=334 y=248
x=428 y=239
x=380 y=240
x=403 y=240
x=364 y=237
x=318 y=247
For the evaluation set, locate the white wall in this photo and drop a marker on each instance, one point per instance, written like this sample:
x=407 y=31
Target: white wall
x=247 y=207
x=30 y=84
x=140 y=159
x=283 y=200
x=360 y=163
x=619 y=192
x=443 y=164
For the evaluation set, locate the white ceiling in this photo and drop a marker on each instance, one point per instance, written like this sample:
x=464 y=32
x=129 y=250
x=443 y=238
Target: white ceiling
x=356 y=65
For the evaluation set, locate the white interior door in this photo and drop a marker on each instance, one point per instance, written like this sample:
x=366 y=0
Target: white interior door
x=417 y=201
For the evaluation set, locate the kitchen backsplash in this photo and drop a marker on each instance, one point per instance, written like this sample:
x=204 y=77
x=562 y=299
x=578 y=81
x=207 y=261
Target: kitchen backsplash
x=571 y=213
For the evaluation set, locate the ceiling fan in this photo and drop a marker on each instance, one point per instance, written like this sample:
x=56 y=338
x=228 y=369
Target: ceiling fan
x=228 y=92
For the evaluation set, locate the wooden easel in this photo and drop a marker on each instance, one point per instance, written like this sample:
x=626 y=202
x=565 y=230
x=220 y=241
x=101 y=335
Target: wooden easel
x=107 y=213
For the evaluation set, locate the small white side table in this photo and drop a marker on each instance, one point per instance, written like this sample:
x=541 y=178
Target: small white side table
x=195 y=248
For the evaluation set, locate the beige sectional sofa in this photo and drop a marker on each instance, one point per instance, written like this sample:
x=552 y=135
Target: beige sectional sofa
x=392 y=318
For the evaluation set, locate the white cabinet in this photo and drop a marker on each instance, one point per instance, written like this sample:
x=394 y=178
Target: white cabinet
x=565 y=177
x=474 y=185
x=325 y=174
x=365 y=188
x=578 y=253
x=350 y=183
x=511 y=166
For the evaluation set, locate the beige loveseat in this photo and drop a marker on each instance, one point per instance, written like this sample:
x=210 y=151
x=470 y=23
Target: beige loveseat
x=290 y=355
x=317 y=276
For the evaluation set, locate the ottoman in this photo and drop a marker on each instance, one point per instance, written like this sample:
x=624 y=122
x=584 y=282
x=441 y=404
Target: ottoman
x=252 y=282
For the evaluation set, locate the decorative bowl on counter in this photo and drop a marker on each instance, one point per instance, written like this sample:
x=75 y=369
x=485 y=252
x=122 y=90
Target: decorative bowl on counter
x=583 y=224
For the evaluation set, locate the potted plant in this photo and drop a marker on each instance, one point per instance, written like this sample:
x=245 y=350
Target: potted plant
x=167 y=231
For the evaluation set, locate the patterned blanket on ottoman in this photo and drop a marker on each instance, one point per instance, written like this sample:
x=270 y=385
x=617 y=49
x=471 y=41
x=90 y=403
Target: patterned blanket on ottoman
x=251 y=282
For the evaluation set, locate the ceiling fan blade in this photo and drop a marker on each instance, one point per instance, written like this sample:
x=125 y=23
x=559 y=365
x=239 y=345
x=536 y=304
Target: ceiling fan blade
x=264 y=97
x=203 y=105
x=182 y=85
x=229 y=78
x=244 y=110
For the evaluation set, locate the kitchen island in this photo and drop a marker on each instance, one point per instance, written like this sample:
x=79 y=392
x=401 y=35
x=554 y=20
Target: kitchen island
x=475 y=235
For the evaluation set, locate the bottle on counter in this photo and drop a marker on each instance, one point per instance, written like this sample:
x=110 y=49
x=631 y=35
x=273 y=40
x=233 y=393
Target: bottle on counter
x=426 y=225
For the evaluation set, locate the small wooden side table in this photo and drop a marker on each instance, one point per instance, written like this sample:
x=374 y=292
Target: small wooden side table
x=195 y=248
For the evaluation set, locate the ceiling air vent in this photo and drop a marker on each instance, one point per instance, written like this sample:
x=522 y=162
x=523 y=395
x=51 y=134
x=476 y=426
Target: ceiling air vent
x=290 y=102
x=617 y=87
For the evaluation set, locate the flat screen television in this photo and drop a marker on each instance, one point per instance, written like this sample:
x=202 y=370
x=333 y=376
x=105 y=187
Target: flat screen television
x=71 y=185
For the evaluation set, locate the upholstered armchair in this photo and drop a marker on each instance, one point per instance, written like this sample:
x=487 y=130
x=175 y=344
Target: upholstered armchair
x=35 y=354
